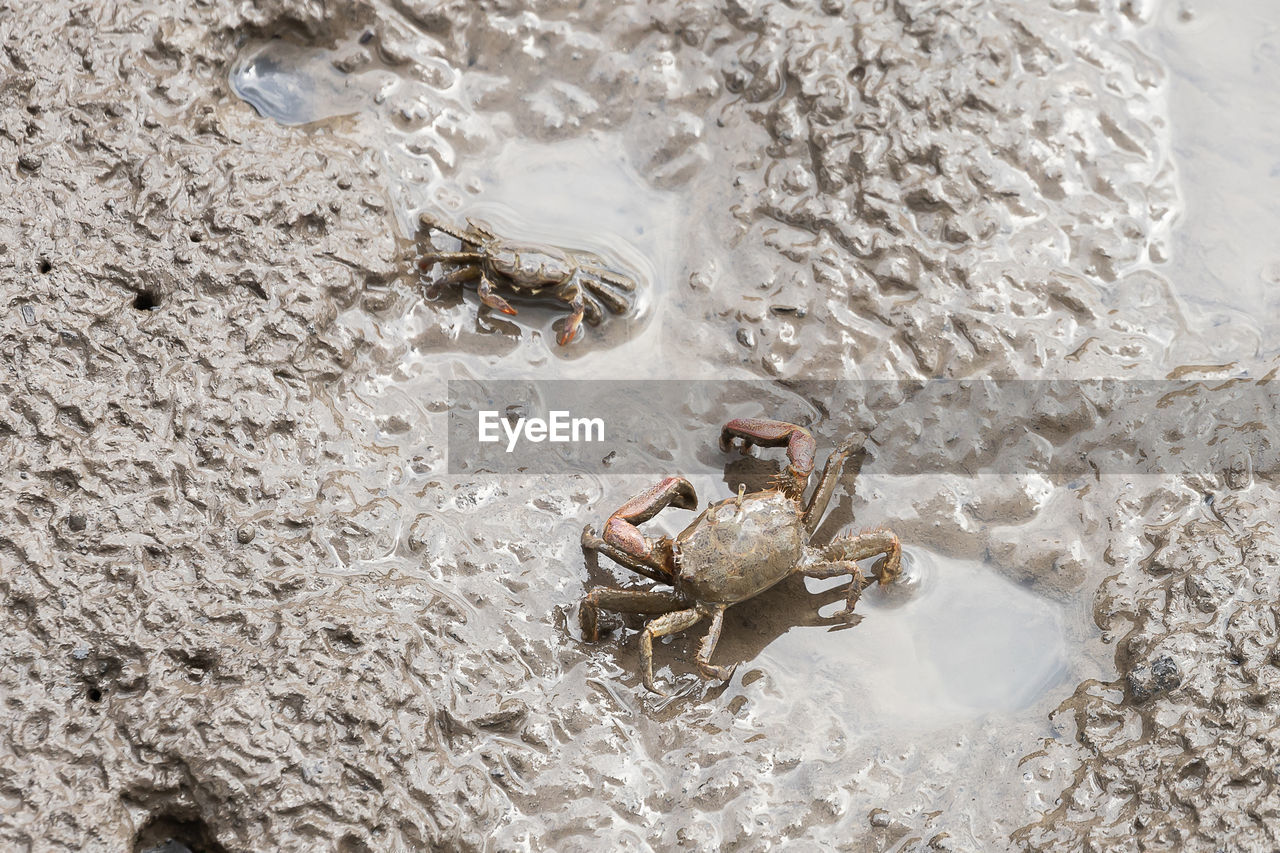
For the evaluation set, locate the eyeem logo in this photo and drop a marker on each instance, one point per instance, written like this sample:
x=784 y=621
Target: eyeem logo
x=559 y=427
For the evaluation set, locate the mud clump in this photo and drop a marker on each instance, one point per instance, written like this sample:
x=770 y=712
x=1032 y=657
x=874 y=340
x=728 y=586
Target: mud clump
x=1187 y=760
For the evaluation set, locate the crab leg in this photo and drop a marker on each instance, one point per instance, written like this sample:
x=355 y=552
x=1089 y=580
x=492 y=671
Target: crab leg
x=834 y=569
x=869 y=544
x=459 y=276
x=841 y=556
x=765 y=433
x=616 y=279
x=492 y=299
x=476 y=228
x=426 y=220
x=593 y=315
x=623 y=601
x=827 y=484
x=429 y=258
x=672 y=623
x=571 y=292
x=595 y=284
x=708 y=647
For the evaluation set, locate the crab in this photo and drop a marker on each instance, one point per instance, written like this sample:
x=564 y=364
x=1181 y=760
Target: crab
x=529 y=271
x=735 y=550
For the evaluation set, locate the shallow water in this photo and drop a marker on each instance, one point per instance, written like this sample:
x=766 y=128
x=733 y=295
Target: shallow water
x=1224 y=59
x=298 y=85
x=956 y=640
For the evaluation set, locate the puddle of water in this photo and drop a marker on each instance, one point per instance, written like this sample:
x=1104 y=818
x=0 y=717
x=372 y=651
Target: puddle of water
x=1224 y=59
x=297 y=85
x=951 y=641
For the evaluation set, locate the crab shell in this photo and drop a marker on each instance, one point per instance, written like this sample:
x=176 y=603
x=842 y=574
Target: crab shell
x=740 y=547
x=530 y=269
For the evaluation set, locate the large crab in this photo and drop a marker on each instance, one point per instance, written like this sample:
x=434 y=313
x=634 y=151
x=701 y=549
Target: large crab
x=735 y=549
x=529 y=271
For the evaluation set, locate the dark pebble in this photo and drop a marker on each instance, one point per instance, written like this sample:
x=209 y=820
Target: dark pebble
x=1160 y=677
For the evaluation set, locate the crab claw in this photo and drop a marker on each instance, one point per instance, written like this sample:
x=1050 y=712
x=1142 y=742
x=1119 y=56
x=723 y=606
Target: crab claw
x=497 y=303
x=489 y=297
x=570 y=330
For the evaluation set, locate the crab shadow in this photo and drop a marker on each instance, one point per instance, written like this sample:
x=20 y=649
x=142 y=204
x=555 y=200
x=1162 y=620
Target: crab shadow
x=749 y=627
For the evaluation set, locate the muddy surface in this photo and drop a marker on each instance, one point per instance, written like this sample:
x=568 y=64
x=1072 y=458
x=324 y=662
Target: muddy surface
x=246 y=606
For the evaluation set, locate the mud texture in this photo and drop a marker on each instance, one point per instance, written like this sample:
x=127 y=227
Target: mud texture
x=243 y=606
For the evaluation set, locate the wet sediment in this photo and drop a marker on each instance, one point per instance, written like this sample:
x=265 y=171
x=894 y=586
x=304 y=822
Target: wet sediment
x=244 y=604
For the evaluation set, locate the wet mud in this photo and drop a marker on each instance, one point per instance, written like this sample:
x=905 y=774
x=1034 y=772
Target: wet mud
x=244 y=604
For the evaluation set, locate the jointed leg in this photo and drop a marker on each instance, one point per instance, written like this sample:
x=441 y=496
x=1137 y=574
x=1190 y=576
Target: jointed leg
x=596 y=281
x=614 y=278
x=490 y=297
x=705 y=669
x=662 y=626
x=868 y=545
x=478 y=228
x=765 y=433
x=459 y=276
x=834 y=569
x=429 y=258
x=623 y=601
x=827 y=484
x=592 y=312
x=841 y=556
x=571 y=293
x=430 y=223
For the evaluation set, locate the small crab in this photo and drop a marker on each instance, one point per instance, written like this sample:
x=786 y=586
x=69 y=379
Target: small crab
x=531 y=271
x=735 y=549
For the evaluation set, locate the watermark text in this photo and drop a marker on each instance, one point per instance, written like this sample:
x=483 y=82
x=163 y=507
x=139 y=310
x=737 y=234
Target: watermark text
x=558 y=427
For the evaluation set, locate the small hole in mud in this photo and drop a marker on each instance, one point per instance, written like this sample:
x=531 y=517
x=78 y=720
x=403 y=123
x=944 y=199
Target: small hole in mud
x=94 y=694
x=176 y=834
x=146 y=301
x=195 y=236
x=857 y=73
x=45 y=266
